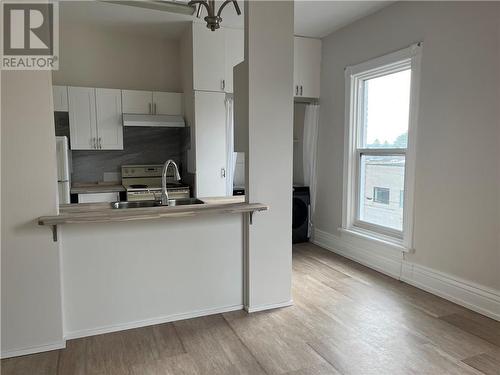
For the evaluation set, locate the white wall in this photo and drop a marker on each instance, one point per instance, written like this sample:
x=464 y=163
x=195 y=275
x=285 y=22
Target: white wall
x=269 y=54
x=31 y=289
x=99 y=57
x=123 y=275
x=457 y=215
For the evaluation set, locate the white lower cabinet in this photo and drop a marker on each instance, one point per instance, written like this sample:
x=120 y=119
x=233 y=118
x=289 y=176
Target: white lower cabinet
x=98 y=197
x=210 y=143
x=95 y=119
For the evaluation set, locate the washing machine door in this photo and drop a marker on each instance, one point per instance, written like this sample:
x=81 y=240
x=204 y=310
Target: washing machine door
x=300 y=213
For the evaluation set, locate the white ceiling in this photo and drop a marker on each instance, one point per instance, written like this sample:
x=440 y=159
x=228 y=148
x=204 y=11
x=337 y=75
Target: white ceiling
x=320 y=18
x=312 y=18
x=121 y=18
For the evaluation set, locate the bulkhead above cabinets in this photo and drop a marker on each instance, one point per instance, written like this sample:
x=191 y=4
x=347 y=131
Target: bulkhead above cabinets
x=96 y=114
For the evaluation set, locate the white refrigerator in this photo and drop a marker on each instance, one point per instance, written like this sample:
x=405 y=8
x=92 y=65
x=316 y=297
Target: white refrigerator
x=63 y=170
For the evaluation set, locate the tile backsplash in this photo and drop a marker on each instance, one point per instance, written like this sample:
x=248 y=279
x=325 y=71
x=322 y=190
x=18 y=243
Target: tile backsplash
x=141 y=145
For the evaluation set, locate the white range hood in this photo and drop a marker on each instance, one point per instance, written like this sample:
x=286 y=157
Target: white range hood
x=167 y=121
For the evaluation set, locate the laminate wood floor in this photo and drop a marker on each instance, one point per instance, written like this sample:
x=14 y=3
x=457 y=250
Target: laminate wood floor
x=346 y=319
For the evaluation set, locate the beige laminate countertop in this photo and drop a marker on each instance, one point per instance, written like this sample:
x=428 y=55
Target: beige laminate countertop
x=102 y=212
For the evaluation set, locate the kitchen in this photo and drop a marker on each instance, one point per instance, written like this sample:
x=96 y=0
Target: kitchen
x=120 y=130
x=119 y=124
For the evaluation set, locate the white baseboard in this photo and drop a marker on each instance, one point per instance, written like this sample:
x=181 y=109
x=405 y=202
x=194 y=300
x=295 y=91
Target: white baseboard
x=252 y=309
x=34 y=349
x=149 y=322
x=383 y=260
x=481 y=299
x=473 y=296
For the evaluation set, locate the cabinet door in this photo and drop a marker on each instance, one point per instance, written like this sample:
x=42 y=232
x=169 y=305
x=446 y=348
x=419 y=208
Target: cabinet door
x=60 y=96
x=98 y=197
x=137 y=102
x=234 y=54
x=208 y=59
x=296 y=67
x=109 y=119
x=210 y=135
x=307 y=66
x=82 y=119
x=167 y=103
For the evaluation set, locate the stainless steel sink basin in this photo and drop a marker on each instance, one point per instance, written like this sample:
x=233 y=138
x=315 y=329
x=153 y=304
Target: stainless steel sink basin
x=146 y=204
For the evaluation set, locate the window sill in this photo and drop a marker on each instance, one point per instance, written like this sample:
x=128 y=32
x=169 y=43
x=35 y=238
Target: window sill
x=392 y=243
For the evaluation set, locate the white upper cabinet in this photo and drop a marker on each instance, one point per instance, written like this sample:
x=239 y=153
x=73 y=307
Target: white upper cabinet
x=109 y=119
x=209 y=69
x=95 y=119
x=167 y=103
x=82 y=118
x=60 y=96
x=307 y=67
x=151 y=103
x=234 y=54
x=210 y=143
x=137 y=102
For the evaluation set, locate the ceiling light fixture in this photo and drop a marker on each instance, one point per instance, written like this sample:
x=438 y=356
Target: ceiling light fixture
x=213 y=20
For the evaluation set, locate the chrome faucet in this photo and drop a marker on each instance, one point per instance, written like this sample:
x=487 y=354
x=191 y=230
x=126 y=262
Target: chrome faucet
x=177 y=177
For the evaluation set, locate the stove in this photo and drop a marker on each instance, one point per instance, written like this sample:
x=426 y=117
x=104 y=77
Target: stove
x=143 y=182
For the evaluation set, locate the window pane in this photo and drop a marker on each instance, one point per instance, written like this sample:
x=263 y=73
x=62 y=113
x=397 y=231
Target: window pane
x=386 y=110
x=381 y=189
x=381 y=195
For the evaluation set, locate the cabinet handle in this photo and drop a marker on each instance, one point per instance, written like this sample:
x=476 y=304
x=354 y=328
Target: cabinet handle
x=100 y=143
x=223 y=84
x=154 y=108
x=91 y=140
x=300 y=90
x=150 y=108
x=223 y=172
x=296 y=90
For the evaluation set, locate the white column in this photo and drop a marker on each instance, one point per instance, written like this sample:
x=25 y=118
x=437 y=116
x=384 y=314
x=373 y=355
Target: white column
x=269 y=54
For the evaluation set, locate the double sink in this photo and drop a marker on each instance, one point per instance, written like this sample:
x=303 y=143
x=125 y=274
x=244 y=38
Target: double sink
x=146 y=204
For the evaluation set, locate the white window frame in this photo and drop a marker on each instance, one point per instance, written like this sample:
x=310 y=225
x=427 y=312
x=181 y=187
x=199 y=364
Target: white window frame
x=408 y=58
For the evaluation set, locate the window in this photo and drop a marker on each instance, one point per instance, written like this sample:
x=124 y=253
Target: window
x=381 y=195
x=381 y=111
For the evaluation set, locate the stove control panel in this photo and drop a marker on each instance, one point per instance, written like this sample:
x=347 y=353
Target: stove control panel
x=129 y=171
